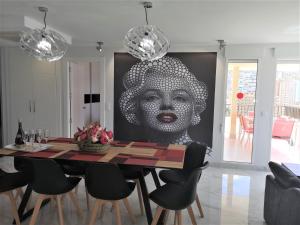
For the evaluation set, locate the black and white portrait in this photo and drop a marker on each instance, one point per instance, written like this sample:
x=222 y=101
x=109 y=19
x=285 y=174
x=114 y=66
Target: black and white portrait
x=164 y=100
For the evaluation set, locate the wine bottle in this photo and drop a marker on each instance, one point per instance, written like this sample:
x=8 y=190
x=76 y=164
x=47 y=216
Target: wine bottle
x=20 y=134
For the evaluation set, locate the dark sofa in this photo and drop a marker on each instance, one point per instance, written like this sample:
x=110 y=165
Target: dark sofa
x=282 y=197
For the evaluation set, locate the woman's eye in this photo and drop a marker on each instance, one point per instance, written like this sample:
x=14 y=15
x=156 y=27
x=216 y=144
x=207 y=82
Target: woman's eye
x=180 y=98
x=150 y=98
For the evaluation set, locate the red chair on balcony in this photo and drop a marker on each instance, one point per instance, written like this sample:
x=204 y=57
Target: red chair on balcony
x=283 y=129
x=247 y=126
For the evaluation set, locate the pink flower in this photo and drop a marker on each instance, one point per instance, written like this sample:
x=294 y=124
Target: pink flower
x=94 y=139
x=103 y=140
x=94 y=133
x=109 y=134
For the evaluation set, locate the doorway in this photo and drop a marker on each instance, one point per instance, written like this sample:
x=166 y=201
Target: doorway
x=285 y=145
x=240 y=111
x=84 y=94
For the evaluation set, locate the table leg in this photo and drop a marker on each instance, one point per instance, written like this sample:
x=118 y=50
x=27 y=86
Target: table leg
x=155 y=177
x=146 y=198
x=23 y=216
x=157 y=184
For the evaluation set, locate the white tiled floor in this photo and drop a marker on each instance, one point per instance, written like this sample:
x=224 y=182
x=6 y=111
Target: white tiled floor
x=229 y=197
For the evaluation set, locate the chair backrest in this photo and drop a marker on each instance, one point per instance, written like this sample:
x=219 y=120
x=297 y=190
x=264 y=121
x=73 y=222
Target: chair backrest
x=246 y=123
x=48 y=176
x=283 y=127
x=106 y=181
x=185 y=193
x=194 y=156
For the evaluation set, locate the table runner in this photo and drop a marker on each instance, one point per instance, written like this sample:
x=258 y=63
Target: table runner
x=120 y=152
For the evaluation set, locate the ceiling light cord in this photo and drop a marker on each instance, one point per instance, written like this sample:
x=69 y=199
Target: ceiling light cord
x=146 y=14
x=45 y=24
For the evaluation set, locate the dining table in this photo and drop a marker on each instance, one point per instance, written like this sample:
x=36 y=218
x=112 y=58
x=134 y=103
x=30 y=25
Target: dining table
x=139 y=154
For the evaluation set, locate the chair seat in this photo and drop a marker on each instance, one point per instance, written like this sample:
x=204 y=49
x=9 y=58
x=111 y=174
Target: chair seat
x=173 y=176
x=169 y=197
x=72 y=183
x=10 y=181
x=112 y=195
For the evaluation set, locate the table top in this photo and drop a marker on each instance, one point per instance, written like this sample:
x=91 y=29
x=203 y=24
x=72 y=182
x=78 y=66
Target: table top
x=294 y=167
x=120 y=152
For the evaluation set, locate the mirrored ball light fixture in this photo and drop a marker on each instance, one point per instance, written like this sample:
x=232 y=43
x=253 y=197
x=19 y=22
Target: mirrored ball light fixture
x=146 y=42
x=43 y=44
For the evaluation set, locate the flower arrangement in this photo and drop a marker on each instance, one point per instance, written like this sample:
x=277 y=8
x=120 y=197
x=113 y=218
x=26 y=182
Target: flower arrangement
x=92 y=136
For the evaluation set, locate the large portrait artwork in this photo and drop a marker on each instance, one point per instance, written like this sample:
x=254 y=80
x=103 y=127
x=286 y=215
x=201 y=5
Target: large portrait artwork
x=170 y=100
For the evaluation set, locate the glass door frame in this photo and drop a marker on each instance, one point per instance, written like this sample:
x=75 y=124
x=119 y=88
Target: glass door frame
x=222 y=125
x=279 y=61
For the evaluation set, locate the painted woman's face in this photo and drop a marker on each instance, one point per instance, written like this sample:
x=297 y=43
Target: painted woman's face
x=166 y=103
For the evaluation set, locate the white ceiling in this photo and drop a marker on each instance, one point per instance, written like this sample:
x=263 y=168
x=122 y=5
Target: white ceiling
x=183 y=21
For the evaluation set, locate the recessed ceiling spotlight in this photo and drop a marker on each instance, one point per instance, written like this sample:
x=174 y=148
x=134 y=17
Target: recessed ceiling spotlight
x=99 y=46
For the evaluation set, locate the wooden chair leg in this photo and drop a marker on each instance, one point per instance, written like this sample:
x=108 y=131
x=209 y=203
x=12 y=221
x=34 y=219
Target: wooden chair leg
x=167 y=212
x=102 y=209
x=192 y=216
x=179 y=217
x=157 y=215
x=129 y=210
x=117 y=212
x=87 y=196
x=199 y=206
x=19 y=193
x=76 y=204
x=175 y=218
x=95 y=211
x=59 y=209
x=14 y=209
x=140 y=196
x=37 y=207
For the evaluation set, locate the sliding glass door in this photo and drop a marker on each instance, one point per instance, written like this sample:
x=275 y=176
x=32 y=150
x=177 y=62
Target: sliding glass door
x=240 y=108
x=285 y=142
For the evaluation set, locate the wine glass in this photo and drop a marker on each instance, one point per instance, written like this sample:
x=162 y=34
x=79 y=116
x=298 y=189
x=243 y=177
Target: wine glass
x=39 y=136
x=46 y=135
x=25 y=137
x=31 y=137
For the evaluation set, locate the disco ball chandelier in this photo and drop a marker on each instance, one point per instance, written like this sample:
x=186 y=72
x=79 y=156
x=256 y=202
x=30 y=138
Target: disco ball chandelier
x=146 y=42
x=43 y=44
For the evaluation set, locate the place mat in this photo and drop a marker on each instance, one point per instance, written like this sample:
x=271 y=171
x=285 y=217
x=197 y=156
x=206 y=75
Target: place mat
x=28 y=147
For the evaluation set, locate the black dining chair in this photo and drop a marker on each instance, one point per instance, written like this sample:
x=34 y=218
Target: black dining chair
x=10 y=182
x=50 y=182
x=133 y=173
x=194 y=158
x=106 y=183
x=176 y=196
x=75 y=169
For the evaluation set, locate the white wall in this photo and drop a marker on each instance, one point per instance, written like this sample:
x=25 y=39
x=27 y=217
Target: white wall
x=266 y=55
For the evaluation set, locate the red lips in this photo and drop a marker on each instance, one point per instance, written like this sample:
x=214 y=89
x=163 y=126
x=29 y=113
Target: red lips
x=166 y=117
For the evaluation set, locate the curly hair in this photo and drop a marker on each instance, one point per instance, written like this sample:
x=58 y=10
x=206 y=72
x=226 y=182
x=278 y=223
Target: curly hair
x=135 y=79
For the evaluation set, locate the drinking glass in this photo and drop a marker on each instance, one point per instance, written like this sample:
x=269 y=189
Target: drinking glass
x=25 y=137
x=31 y=137
x=39 y=136
x=46 y=135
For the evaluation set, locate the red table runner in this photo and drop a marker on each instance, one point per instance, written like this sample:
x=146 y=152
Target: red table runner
x=120 y=152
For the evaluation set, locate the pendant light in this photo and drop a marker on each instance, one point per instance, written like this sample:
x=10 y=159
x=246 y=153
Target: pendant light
x=146 y=42
x=43 y=44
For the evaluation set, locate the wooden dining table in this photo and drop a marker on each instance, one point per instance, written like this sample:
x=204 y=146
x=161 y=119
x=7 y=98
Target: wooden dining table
x=139 y=154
